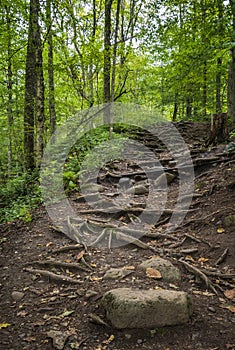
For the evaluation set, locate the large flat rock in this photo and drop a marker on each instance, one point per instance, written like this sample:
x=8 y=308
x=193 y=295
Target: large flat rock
x=134 y=308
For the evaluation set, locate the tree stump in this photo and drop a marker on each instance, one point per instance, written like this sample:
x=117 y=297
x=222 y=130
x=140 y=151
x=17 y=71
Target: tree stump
x=219 y=129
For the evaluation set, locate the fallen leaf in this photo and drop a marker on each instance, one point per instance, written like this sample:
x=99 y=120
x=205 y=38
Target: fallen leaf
x=4 y=325
x=129 y=267
x=189 y=258
x=220 y=230
x=66 y=313
x=153 y=273
x=109 y=340
x=80 y=255
x=94 y=278
x=228 y=307
x=230 y=294
x=202 y=260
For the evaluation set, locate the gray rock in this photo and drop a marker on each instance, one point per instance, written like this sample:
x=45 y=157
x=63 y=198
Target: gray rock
x=17 y=296
x=128 y=308
x=164 y=180
x=169 y=272
x=117 y=273
x=138 y=189
x=229 y=220
x=90 y=293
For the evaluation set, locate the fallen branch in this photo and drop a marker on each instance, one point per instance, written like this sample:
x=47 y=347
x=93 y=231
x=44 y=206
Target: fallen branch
x=130 y=240
x=67 y=248
x=53 y=276
x=222 y=257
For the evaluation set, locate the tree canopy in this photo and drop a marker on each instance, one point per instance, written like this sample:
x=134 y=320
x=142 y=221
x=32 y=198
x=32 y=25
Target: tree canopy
x=58 y=57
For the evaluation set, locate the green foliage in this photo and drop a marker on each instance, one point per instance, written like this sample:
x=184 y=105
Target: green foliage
x=18 y=196
x=92 y=150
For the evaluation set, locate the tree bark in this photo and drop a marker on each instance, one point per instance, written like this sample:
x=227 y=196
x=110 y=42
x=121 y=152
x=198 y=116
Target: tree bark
x=9 y=90
x=231 y=74
x=50 y=58
x=39 y=95
x=219 y=60
x=107 y=58
x=30 y=89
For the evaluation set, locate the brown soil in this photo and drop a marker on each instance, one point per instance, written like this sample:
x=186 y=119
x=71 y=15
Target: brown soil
x=25 y=324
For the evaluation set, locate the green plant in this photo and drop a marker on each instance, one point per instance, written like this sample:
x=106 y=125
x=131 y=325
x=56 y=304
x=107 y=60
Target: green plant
x=18 y=196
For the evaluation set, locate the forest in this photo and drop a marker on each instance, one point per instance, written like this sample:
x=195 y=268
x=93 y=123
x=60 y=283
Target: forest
x=60 y=57
x=117 y=174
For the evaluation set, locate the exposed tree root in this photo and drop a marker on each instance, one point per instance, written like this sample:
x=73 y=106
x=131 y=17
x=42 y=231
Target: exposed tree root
x=199 y=274
x=54 y=263
x=54 y=276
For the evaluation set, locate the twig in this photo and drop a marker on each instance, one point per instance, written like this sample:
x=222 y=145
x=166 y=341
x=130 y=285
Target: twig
x=53 y=276
x=130 y=240
x=196 y=239
x=222 y=257
x=67 y=248
x=160 y=235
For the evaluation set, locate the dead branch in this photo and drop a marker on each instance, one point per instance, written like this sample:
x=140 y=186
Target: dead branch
x=67 y=248
x=222 y=257
x=53 y=276
x=130 y=240
x=160 y=235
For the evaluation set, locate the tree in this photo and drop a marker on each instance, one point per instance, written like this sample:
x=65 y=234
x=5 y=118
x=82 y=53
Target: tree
x=30 y=87
x=231 y=75
x=50 y=59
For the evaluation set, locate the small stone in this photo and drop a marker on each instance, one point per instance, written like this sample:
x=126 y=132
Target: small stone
x=139 y=341
x=117 y=273
x=229 y=221
x=128 y=336
x=211 y=309
x=17 y=296
x=138 y=190
x=90 y=293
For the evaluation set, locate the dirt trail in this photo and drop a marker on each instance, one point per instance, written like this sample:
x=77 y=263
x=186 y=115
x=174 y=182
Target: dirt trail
x=46 y=308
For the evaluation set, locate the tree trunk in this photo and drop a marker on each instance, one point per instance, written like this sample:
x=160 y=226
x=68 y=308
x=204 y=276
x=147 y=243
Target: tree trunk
x=39 y=95
x=30 y=89
x=219 y=60
x=9 y=89
x=176 y=107
x=231 y=75
x=107 y=58
x=51 y=86
x=204 y=89
x=219 y=129
x=218 y=86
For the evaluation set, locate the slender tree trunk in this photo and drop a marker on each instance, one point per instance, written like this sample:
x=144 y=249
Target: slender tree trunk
x=231 y=75
x=107 y=57
x=218 y=86
x=51 y=85
x=219 y=60
x=115 y=50
x=39 y=95
x=9 y=89
x=107 y=50
x=176 y=107
x=30 y=89
x=204 y=89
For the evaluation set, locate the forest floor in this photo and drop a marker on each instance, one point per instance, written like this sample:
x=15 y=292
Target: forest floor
x=35 y=309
